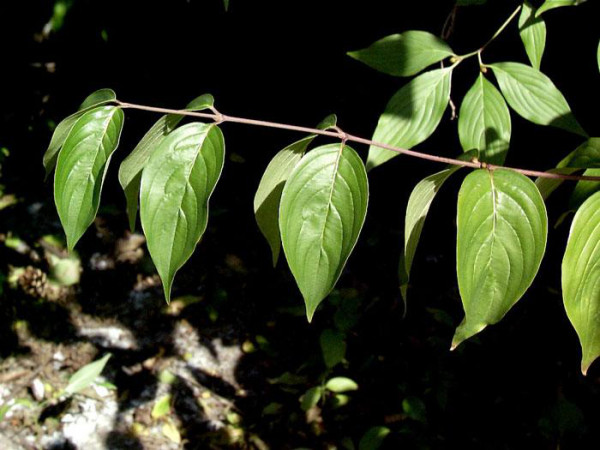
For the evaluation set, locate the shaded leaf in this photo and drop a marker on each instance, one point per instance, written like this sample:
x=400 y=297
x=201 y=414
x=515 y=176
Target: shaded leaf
x=411 y=115
x=417 y=209
x=85 y=376
x=177 y=183
x=130 y=171
x=404 y=54
x=416 y=212
x=581 y=278
x=81 y=168
x=534 y=96
x=484 y=122
x=373 y=438
x=551 y=4
x=501 y=238
x=533 y=34
x=584 y=189
x=586 y=156
x=333 y=347
x=323 y=208
x=62 y=130
x=547 y=186
x=341 y=384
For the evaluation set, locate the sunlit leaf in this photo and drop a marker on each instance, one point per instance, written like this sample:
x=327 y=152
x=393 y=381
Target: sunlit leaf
x=404 y=54
x=170 y=431
x=534 y=96
x=268 y=194
x=81 y=168
x=501 y=238
x=484 y=122
x=341 y=384
x=323 y=208
x=411 y=115
x=62 y=130
x=551 y=4
x=311 y=398
x=374 y=437
x=533 y=34
x=85 y=376
x=581 y=278
x=177 y=182
x=162 y=407
x=130 y=172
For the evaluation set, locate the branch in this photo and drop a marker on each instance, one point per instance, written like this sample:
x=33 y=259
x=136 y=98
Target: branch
x=339 y=134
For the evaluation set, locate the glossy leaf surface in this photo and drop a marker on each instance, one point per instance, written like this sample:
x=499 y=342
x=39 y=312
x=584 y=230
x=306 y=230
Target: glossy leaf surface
x=534 y=96
x=81 y=168
x=412 y=114
x=501 y=238
x=484 y=122
x=323 y=208
x=581 y=279
x=404 y=54
x=533 y=34
x=130 y=171
x=177 y=183
x=62 y=130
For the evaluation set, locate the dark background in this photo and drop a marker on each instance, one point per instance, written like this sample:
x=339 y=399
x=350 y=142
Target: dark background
x=517 y=385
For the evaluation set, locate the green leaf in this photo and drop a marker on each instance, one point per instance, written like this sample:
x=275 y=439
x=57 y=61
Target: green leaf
x=268 y=194
x=226 y=5
x=533 y=34
x=162 y=407
x=177 y=183
x=416 y=211
x=586 y=156
x=85 y=376
x=412 y=114
x=341 y=384
x=373 y=438
x=598 y=56
x=130 y=172
x=323 y=208
x=584 y=189
x=62 y=130
x=333 y=347
x=97 y=98
x=581 y=278
x=81 y=168
x=501 y=238
x=404 y=54
x=311 y=398
x=484 y=122
x=547 y=186
x=534 y=96
x=328 y=122
x=551 y=4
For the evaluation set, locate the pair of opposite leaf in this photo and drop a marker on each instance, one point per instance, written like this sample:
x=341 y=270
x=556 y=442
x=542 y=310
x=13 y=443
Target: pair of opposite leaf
x=173 y=171
x=314 y=205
